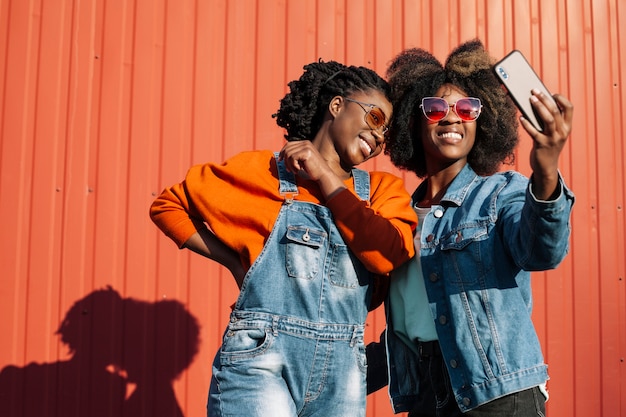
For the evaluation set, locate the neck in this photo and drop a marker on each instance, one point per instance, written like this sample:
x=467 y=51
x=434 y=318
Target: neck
x=436 y=187
x=438 y=182
x=431 y=197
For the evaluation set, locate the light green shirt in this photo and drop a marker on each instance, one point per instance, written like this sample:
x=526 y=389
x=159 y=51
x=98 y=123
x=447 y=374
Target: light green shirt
x=410 y=311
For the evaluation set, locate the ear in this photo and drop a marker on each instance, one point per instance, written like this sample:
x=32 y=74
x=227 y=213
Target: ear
x=335 y=106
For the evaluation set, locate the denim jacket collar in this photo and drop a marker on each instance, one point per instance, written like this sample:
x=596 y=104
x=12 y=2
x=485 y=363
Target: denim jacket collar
x=457 y=190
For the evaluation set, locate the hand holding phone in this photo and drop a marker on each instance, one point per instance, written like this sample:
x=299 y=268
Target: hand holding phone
x=519 y=78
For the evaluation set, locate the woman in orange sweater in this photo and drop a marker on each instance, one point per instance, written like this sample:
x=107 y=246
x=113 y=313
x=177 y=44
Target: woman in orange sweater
x=303 y=232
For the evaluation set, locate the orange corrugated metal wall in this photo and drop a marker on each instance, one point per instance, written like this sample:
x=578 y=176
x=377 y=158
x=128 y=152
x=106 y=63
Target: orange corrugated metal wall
x=103 y=103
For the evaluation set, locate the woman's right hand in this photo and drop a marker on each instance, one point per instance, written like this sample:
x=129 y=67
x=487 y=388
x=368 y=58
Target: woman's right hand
x=303 y=159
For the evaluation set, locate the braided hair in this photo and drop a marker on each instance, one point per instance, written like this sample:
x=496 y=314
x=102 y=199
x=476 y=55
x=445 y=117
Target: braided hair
x=302 y=110
x=415 y=74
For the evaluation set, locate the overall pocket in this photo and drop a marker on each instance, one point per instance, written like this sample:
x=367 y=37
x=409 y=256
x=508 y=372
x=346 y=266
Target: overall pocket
x=304 y=251
x=346 y=268
x=246 y=343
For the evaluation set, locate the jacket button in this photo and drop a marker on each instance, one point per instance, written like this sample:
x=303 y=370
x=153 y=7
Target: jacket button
x=433 y=277
x=430 y=238
x=443 y=319
x=454 y=363
x=466 y=401
x=438 y=213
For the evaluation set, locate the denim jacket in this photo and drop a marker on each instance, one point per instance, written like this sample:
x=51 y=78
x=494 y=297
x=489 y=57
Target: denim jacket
x=477 y=248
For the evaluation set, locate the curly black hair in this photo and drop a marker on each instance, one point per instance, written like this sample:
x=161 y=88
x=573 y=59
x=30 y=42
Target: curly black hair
x=416 y=73
x=302 y=110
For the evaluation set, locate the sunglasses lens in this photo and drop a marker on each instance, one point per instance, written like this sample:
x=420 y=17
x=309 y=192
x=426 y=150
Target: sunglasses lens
x=375 y=118
x=468 y=109
x=434 y=108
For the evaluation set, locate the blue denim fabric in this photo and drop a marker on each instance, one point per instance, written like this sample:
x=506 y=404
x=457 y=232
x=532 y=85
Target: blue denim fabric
x=437 y=400
x=477 y=248
x=294 y=345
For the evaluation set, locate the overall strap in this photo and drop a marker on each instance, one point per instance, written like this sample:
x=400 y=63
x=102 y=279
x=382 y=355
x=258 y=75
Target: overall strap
x=287 y=181
x=361 y=183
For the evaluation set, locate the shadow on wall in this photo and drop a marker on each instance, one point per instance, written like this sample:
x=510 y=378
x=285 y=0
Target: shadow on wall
x=126 y=355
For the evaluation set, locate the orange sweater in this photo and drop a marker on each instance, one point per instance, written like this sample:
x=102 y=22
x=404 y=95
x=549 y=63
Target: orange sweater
x=239 y=200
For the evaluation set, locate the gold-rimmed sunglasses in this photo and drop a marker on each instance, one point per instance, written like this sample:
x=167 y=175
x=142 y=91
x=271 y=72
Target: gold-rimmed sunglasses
x=374 y=117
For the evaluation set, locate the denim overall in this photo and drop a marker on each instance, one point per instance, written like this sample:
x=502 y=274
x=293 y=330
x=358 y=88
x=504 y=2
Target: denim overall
x=294 y=345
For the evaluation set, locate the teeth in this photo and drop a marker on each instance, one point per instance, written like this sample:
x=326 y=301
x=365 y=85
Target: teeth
x=367 y=145
x=451 y=135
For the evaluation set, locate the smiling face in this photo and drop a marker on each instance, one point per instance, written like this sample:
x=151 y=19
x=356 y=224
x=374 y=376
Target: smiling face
x=349 y=137
x=448 y=142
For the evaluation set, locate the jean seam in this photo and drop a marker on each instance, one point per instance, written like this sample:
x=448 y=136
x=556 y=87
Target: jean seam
x=440 y=403
x=537 y=402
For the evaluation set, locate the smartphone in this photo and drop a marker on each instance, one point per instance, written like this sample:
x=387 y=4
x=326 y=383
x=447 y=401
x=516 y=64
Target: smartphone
x=519 y=78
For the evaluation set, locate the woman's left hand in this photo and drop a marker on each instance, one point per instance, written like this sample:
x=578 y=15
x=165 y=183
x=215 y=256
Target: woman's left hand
x=547 y=145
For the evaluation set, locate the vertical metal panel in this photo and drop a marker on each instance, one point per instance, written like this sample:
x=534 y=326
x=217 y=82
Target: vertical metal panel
x=105 y=103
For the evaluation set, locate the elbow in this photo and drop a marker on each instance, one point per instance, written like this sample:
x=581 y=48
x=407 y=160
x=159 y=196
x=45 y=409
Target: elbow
x=383 y=264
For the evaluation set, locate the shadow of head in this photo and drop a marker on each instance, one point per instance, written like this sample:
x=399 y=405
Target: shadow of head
x=132 y=335
x=123 y=357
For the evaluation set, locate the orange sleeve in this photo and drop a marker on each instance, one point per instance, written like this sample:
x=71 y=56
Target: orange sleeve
x=172 y=213
x=380 y=233
x=238 y=200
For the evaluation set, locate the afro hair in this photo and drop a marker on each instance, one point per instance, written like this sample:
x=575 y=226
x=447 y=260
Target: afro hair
x=415 y=73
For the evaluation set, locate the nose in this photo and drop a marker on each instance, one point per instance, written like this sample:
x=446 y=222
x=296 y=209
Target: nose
x=451 y=117
x=379 y=136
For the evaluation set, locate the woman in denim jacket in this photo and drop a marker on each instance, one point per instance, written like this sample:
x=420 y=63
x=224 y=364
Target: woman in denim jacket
x=459 y=339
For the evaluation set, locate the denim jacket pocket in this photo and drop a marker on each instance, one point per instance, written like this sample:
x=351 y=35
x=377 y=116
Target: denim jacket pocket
x=304 y=251
x=466 y=248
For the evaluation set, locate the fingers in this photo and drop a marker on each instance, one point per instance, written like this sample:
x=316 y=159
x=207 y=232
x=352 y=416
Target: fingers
x=546 y=108
x=291 y=154
x=300 y=157
x=556 y=114
x=566 y=108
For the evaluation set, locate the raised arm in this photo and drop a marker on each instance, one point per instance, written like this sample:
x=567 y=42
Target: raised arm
x=547 y=145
